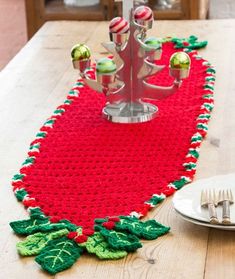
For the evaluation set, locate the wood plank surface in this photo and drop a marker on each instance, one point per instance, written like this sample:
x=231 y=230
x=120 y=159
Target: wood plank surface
x=38 y=79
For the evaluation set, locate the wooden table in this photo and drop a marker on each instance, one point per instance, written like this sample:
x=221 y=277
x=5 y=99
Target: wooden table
x=38 y=79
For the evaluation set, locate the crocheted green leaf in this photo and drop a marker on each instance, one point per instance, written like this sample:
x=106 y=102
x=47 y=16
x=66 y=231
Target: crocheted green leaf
x=58 y=255
x=147 y=230
x=120 y=240
x=33 y=244
x=96 y=244
x=192 y=43
x=30 y=226
x=132 y=225
x=153 y=229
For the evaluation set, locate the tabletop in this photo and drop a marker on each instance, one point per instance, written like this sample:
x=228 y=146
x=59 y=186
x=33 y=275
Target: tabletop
x=37 y=80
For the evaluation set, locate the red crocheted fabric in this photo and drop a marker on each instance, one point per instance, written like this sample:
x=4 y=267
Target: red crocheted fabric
x=90 y=168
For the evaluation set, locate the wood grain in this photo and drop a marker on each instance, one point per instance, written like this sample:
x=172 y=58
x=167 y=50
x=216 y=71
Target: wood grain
x=36 y=81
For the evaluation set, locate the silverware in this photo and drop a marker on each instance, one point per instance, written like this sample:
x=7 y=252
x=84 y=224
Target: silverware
x=209 y=199
x=226 y=198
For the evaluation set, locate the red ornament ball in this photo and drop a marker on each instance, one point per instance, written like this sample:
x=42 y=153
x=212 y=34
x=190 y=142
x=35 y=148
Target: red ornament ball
x=143 y=13
x=119 y=25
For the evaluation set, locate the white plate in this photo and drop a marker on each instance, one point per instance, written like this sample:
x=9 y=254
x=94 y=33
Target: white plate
x=187 y=200
x=206 y=224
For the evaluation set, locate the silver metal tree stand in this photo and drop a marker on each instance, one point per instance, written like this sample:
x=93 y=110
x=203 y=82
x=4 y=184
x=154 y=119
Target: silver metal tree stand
x=124 y=78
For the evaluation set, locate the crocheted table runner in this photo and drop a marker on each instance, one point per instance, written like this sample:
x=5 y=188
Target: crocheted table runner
x=86 y=182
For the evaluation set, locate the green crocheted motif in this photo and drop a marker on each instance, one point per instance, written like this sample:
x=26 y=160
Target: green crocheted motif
x=36 y=213
x=146 y=230
x=202 y=126
x=132 y=225
x=196 y=138
x=178 y=184
x=208 y=106
x=41 y=135
x=210 y=78
x=155 y=199
x=29 y=161
x=120 y=240
x=20 y=194
x=18 y=176
x=190 y=166
x=33 y=244
x=209 y=86
x=209 y=97
x=96 y=244
x=194 y=153
x=73 y=93
x=58 y=255
x=30 y=226
x=211 y=71
x=189 y=43
x=59 y=111
x=204 y=116
x=67 y=102
x=34 y=146
x=49 y=122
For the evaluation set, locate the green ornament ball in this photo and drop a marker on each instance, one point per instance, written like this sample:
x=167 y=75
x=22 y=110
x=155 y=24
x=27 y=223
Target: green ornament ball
x=80 y=52
x=105 y=66
x=153 y=43
x=180 y=60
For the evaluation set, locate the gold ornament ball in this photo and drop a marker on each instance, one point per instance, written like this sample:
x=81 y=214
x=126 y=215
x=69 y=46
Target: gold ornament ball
x=80 y=52
x=180 y=60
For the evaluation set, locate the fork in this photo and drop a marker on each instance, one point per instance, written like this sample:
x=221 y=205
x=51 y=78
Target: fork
x=209 y=199
x=226 y=198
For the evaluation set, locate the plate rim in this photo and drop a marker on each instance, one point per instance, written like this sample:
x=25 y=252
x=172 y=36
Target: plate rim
x=206 y=224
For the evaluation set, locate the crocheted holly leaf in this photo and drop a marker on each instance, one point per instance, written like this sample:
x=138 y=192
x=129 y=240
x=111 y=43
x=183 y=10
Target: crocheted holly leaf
x=147 y=230
x=33 y=244
x=96 y=244
x=120 y=240
x=189 y=43
x=58 y=255
x=30 y=226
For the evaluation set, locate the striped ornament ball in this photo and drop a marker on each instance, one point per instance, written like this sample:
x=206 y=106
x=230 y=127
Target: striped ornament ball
x=119 y=25
x=143 y=13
